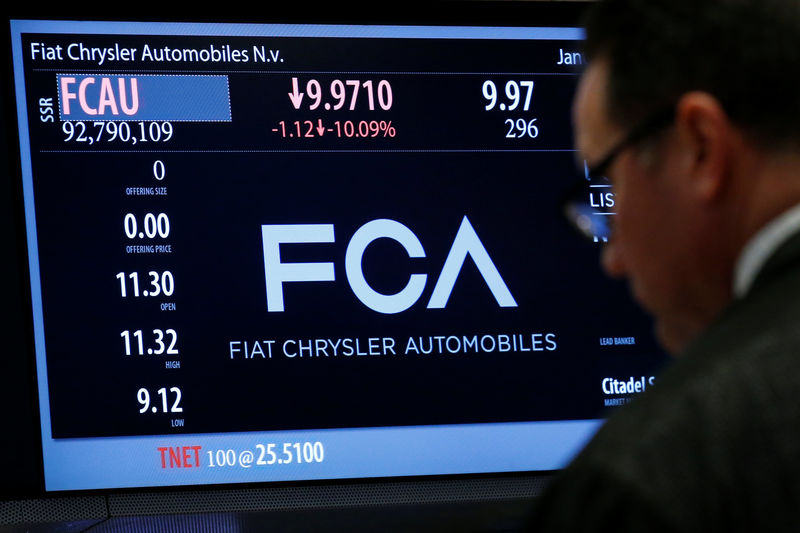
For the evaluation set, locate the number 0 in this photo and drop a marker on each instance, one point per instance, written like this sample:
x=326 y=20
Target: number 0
x=159 y=171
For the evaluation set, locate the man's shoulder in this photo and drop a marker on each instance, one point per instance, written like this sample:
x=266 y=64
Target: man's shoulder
x=741 y=377
x=721 y=420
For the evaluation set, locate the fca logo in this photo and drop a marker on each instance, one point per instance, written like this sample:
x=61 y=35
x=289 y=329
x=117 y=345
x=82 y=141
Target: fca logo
x=466 y=242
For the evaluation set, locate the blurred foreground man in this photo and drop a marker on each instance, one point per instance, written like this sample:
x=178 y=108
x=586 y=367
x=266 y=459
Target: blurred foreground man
x=691 y=108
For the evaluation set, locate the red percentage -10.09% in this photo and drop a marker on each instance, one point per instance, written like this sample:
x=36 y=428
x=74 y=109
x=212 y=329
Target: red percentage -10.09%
x=341 y=128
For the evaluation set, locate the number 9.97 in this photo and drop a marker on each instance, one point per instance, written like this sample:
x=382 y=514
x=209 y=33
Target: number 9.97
x=513 y=95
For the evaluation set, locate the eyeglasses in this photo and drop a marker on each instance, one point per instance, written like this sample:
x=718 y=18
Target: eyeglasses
x=588 y=205
x=649 y=126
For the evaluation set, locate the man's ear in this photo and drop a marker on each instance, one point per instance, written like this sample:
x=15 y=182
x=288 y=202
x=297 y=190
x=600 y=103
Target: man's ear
x=706 y=136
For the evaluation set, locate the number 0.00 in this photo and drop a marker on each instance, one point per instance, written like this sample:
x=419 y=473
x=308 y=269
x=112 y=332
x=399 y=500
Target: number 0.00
x=154 y=225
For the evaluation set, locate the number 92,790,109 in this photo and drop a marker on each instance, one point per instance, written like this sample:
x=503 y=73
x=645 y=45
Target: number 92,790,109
x=126 y=132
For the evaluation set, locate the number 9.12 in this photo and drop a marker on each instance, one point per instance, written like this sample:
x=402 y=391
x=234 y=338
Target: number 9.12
x=143 y=396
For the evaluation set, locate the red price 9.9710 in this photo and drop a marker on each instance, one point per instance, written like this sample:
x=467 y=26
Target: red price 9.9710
x=339 y=93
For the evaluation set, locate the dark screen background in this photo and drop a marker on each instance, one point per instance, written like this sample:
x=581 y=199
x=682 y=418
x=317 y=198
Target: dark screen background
x=449 y=159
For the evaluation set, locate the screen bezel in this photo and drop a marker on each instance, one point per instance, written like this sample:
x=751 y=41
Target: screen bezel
x=28 y=478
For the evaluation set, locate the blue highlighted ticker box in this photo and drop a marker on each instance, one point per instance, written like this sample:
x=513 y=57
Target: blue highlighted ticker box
x=144 y=97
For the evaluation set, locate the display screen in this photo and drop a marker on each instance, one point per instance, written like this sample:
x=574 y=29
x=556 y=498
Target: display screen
x=299 y=252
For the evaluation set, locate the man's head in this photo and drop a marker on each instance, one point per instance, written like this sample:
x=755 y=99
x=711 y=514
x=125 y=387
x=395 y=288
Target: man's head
x=693 y=190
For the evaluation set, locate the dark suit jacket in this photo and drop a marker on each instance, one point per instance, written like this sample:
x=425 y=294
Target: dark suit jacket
x=715 y=446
